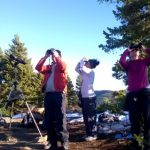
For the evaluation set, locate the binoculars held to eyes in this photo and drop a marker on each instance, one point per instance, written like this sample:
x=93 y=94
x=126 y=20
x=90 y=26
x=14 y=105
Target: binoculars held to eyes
x=50 y=51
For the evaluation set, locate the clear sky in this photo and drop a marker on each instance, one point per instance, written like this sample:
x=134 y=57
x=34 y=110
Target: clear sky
x=73 y=26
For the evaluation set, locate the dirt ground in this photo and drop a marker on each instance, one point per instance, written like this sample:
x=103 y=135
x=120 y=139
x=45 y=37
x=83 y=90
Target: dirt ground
x=17 y=138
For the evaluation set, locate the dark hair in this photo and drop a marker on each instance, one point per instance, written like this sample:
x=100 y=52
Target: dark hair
x=135 y=46
x=59 y=52
x=93 y=63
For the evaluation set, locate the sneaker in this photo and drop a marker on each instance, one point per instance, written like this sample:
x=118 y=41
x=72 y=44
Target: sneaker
x=53 y=147
x=65 y=146
x=84 y=137
x=47 y=145
x=91 y=138
x=135 y=145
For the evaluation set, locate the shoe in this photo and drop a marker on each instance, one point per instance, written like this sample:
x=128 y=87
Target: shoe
x=47 y=145
x=135 y=145
x=65 y=146
x=84 y=137
x=91 y=138
x=53 y=147
x=146 y=147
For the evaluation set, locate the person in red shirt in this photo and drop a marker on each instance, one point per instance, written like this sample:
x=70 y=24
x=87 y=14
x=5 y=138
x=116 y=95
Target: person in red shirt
x=53 y=86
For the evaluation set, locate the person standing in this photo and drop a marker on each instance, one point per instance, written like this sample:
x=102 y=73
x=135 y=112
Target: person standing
x=88 y=96
x=54 y=86
x=138 y=96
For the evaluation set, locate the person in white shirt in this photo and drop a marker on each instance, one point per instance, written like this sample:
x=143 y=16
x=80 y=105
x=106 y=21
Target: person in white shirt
x=88 y=96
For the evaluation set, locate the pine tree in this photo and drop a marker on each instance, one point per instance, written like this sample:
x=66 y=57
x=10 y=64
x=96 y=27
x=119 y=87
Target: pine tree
x=27 y=80
x=71 y=94
x=119 y=73
x=134 y=17
x=78 y=83
x=2 y=64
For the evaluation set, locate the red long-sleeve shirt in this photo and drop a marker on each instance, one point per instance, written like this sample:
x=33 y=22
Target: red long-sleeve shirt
x=137 y=71
x=60 y=78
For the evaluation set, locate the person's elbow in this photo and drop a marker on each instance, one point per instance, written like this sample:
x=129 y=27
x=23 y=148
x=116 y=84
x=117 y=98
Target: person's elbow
x=77 y=70
x=37 y=67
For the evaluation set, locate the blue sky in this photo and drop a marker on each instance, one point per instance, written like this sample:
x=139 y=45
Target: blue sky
x=73 y=26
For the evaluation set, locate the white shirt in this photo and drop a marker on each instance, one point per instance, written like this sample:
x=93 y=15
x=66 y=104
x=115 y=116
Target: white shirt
x=50 y=81
x=88 y=76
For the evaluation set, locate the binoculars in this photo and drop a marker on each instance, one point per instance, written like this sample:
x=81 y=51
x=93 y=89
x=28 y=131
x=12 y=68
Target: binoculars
x=50 y=51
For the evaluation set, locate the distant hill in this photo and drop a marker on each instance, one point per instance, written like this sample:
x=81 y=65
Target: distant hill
x=101 y=94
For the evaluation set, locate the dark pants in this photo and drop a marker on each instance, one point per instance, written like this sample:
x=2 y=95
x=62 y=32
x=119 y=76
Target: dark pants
x=55 y=117
x=138 y=105
x=89 y=115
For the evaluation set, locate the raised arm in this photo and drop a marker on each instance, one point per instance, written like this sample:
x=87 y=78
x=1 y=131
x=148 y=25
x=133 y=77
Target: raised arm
x=40 y=65
x=80 y=65
x=61 y=65
x=123 y=59
x=147 y=59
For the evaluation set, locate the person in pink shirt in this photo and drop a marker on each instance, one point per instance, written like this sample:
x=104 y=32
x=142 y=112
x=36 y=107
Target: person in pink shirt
x=138 y=96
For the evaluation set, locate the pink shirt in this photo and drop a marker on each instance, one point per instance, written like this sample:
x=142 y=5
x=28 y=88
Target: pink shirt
x=137 y=71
